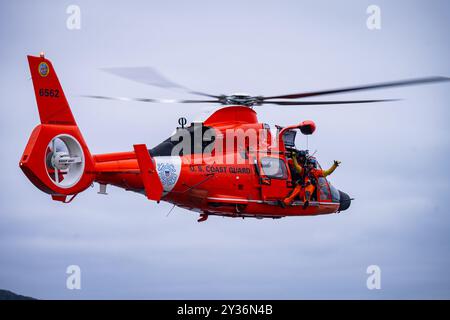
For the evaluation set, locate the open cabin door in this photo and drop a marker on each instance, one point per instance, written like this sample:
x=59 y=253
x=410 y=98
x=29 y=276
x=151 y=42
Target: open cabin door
x=273 y=178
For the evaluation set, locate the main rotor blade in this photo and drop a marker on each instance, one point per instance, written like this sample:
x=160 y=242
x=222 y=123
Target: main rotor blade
x=314 y=103
x=151 y=76
x=382 y=85
x=149 y=99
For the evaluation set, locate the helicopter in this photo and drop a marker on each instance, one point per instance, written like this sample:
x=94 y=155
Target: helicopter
x=228 y=164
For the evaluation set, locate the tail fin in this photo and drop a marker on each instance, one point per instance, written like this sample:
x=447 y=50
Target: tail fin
x=50 y=98
x=56 y=158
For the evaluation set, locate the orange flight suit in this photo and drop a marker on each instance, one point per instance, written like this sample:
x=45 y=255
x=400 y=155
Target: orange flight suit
x=306 y=191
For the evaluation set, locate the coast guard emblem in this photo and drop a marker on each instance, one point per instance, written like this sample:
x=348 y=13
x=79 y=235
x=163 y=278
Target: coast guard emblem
x=43 y=69
x=168 y=174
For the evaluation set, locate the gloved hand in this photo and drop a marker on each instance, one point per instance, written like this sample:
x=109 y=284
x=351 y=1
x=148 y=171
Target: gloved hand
x=337 y=163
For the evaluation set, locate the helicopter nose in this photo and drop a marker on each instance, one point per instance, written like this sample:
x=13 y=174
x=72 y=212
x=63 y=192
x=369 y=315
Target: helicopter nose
x=344 y=200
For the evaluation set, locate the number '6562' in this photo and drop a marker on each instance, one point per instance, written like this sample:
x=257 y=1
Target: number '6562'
x=52 y=93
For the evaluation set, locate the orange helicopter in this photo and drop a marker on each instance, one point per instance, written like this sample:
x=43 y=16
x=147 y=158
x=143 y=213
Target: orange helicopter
x=229 y=165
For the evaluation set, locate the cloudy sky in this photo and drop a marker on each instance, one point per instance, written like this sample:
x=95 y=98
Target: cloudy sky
x=394 y=156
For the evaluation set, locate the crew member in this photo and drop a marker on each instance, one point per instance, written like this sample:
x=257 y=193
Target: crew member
x=306 y=184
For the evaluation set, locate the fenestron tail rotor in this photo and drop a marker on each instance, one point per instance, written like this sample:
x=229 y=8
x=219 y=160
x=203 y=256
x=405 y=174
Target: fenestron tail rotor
x=64 y=161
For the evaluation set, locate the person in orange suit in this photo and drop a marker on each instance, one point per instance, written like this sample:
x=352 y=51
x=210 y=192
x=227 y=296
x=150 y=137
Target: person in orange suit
x=306 y=184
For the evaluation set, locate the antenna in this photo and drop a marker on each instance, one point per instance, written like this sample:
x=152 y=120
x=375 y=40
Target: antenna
x=170 y=211
x=182 y=122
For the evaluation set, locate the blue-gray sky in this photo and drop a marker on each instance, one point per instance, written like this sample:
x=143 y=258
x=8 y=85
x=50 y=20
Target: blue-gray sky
x=394 y=156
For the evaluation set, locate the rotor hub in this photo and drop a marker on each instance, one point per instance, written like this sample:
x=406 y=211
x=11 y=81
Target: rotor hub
x=242 y=99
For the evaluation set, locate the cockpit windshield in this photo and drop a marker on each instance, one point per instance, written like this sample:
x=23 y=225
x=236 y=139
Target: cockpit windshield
x=335 y=196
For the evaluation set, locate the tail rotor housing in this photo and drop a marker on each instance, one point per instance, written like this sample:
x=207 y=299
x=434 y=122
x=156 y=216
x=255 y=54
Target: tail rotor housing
x=56 y=158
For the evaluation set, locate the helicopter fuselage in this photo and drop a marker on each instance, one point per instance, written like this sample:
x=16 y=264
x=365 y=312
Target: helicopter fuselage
x=240 y=187
x=230 y=164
